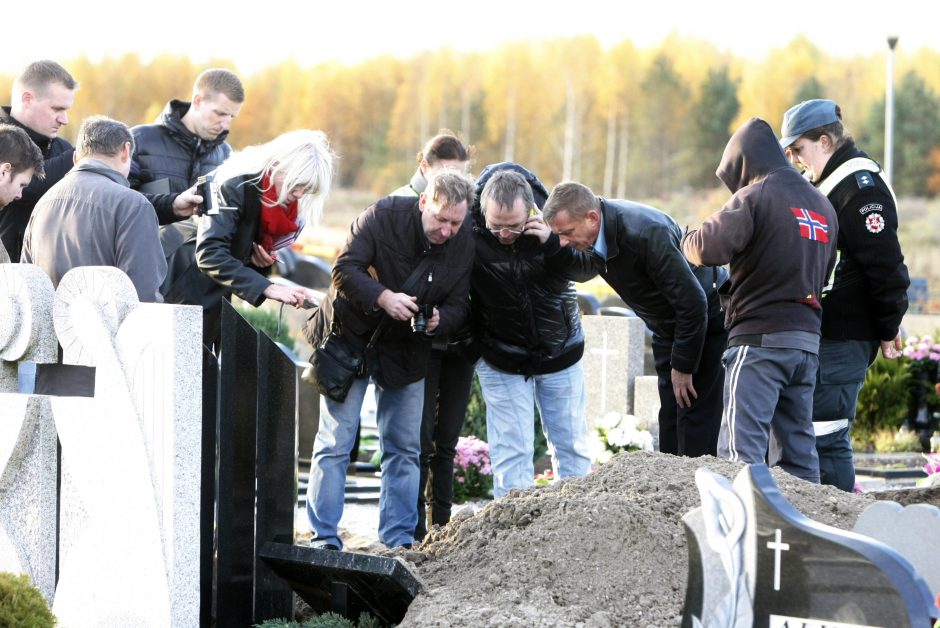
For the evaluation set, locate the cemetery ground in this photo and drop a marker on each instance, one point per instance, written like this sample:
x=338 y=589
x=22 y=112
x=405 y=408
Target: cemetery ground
x=608 y=549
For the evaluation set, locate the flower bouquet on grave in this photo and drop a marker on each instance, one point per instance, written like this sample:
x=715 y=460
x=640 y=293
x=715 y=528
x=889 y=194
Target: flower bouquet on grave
x=473 y=475
x=922 y=355
x=544 y=479
x=617 y=432
x=932 y=469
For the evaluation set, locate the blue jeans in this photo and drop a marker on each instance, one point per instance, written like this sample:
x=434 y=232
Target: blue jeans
x=836 y=462
x=398 y=416
x=510 y=424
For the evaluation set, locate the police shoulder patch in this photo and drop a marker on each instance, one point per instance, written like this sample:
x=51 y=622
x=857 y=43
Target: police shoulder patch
x=875 y=223
x=871 y=207
x=864 y=179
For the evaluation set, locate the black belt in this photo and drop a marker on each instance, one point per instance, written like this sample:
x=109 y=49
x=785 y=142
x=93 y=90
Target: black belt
x=754 y=340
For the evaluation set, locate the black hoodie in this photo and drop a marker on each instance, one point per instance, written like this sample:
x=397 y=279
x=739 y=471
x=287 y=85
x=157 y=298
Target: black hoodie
x=777 y=233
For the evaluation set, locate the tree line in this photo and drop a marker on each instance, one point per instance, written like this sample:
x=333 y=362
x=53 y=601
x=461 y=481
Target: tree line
x=629 y=122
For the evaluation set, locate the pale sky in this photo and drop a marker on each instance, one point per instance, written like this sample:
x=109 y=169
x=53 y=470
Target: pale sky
x=269 y=31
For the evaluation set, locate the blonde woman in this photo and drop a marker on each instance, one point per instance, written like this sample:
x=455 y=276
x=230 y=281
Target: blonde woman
x=266 y=195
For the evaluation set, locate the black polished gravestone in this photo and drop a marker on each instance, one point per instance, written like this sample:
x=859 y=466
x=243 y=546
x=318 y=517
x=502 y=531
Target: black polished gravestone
x=754 y=560
x=347 y=583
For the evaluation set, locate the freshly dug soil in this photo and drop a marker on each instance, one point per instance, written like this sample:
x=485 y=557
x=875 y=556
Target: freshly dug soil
x=608 y=549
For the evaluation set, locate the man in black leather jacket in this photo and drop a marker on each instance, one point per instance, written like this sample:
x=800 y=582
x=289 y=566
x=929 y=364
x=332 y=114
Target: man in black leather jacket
x=400 y=253
x=186 y=142
x=527 y=325
x=42 y=95
x=638 y=247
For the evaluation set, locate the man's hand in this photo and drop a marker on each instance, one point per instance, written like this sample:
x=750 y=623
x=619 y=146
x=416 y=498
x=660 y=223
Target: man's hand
x=683 y=389
x=398 y=305
x=186 y=203
x=290 y=295
x=891 y=349
x=260 y=258
x=535 y=226
x=433 y=322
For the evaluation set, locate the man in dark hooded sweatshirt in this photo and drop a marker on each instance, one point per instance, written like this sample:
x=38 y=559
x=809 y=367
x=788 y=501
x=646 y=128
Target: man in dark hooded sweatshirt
x=778 y=235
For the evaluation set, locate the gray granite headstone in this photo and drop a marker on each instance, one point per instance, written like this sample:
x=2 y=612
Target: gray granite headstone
x=27 y=434
x=913 y=531
x=28 y=489
x=26 y=334
x=613 y=358
x=646 y=404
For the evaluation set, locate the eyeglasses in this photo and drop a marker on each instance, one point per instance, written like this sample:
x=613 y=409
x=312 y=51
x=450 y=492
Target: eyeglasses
x=505 y=232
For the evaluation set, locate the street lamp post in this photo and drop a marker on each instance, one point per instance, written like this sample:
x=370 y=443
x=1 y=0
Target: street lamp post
x=889 y=110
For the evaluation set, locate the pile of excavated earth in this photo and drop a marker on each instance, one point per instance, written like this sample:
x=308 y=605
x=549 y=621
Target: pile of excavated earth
x=608 y=549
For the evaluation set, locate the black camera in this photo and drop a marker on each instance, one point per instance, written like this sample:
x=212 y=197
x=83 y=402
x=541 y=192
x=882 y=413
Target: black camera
x=208 y=189
x=205 y=187
x=419 y=324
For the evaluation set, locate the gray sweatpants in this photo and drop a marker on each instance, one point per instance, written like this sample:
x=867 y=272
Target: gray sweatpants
x=769 y=388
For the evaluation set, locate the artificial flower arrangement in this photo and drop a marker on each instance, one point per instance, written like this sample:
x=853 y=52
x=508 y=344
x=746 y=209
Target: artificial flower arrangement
x=617 y=432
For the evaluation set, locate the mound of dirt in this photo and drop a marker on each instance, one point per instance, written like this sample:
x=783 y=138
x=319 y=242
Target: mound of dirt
x=608 y=549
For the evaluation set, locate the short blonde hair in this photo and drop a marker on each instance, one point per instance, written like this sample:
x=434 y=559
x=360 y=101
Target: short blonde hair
x=450 y=188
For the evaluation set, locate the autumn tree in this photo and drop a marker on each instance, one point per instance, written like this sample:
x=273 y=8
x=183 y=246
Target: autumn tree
x=916 y=134
x=709 y=126
x=662 y=111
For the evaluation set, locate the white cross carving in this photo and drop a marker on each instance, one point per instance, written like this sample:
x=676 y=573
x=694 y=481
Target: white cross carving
x=604 y=352
x=777 y=547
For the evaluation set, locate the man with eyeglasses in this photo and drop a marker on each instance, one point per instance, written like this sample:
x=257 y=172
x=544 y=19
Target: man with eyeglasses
x=527 y=324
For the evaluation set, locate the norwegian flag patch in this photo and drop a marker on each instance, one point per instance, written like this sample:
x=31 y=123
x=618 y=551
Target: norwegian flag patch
x=813 y=226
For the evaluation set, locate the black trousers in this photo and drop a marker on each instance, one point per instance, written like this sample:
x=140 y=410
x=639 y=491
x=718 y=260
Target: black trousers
x=691 y=431
x=446 y=393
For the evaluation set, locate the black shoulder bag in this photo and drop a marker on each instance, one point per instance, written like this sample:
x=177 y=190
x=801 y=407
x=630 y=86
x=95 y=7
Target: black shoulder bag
x=336 y=361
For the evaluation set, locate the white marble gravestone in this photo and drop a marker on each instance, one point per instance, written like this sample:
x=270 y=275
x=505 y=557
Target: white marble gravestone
x=613 y=358
x=129 y=540
x=27 y=433
x=128 y=530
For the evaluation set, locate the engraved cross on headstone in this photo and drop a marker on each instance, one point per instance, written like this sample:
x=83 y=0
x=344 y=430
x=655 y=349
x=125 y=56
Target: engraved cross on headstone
x=777 y=547
x=604 y=352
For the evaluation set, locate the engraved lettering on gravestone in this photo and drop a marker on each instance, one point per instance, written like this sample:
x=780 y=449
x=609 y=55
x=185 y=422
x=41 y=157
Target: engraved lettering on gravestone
x=604 y=352
x=782 y=621
x=777 y=547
